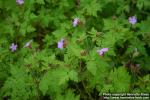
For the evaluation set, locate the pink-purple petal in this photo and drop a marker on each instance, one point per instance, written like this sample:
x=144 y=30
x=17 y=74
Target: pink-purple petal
x=60 y=44
x=75 y=22
x=132 y=20
x=102 y=51
x=13 y=47
x=20 y=2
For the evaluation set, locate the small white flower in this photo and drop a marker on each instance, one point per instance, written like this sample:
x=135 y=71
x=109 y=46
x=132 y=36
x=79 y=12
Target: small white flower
x=28 y=44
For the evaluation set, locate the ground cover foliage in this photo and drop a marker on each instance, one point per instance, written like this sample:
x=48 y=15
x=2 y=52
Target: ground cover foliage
x=73 y=49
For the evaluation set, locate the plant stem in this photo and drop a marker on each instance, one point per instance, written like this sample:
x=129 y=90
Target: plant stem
x=91 y=98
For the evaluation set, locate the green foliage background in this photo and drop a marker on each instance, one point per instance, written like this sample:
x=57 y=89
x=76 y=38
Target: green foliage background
x=44 y=72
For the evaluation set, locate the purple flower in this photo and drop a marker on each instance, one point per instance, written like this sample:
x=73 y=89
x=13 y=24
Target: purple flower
x=75 y=22
x=28 y=44
x=102 y=51
x=13 y=47
x=132 y=20
x=60 y=44
x=20 y=2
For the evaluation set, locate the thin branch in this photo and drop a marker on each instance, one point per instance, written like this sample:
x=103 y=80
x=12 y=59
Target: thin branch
x=91 y=98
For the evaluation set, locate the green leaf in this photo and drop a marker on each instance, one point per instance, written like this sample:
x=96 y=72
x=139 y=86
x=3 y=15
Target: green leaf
x=74 y=49
x=69 y=95
x=30 y=29
x=54 y=80
x=92 y=67
x=73 y=75
x=19 y=85
x=60 y=33
x=144 y=26
x=91 y=7
x=40 y=2
x=120 y=80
